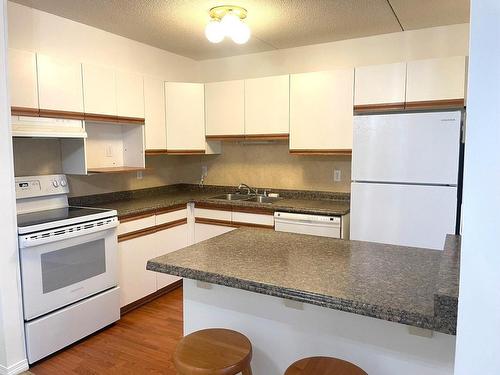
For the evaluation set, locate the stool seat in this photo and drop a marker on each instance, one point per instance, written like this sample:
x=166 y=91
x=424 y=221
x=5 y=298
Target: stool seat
x=213 y=351
x=323 y=366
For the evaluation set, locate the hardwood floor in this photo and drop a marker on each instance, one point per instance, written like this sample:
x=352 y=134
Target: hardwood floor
x=142 y=342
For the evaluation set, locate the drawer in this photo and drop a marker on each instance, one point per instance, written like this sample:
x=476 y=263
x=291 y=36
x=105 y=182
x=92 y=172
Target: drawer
x=137 y=224
x=168 y=217
x=212 y=214
x=259 y=219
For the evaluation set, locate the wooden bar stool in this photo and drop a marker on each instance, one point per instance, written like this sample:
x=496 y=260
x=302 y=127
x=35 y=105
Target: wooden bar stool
x=323 y=366
x=213 y=351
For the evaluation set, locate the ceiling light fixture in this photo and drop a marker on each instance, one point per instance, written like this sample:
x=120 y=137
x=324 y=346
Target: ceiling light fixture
x=227 y=20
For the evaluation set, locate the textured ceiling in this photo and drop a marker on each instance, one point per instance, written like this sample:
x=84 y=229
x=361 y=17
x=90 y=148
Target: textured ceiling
x=178 y=25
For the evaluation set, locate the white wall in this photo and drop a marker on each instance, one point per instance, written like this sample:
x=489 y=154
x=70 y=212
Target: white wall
x=409 y=45
x=33 y=30
x=12 y=355
x=478 y=338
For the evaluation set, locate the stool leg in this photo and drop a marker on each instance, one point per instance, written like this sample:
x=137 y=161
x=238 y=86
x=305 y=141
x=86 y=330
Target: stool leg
x=247 y=371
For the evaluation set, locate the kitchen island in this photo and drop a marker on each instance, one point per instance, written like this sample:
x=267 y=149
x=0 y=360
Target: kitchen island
x=297 y=295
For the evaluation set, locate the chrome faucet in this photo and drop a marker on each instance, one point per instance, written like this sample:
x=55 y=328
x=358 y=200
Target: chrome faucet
x=249 y=189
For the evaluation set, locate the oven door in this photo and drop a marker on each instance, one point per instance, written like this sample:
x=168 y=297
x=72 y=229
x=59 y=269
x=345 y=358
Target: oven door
x=62 y=271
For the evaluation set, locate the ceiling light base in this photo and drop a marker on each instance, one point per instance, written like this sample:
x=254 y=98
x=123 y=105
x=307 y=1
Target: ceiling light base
x=220 y=11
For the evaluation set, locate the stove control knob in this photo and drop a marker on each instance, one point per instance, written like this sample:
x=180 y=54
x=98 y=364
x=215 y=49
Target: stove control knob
x=55 y=183
x=63 y=183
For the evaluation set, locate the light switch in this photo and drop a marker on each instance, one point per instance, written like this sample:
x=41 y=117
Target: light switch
x=337 y=175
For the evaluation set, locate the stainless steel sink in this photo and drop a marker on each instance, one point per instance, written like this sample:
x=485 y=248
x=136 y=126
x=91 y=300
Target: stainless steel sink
x=262 y=199
x=232 y=197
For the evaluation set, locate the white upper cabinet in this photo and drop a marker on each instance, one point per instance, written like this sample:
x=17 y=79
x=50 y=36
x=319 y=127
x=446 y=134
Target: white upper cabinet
x=129 y=94
x=225 y=108
x=321 y=112
x=185 y=116
x=154 y=108
x=22 y=79
x=99 y=90
x=380 y=85
x=59 y=84
x=436 y=79
x=267 y=105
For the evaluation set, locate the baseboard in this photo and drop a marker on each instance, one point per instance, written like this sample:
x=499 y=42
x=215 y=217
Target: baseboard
x=132 y=306
x=16 y=368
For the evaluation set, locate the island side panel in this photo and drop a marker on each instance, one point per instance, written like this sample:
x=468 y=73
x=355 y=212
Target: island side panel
x=280 y=334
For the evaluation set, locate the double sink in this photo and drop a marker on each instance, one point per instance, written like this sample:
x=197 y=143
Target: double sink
x=246 y=198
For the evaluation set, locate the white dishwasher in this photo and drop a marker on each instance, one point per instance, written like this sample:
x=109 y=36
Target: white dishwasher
x=315 y=225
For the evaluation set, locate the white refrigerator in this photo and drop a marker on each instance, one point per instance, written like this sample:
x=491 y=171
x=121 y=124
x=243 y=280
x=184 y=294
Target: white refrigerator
x=405 y=171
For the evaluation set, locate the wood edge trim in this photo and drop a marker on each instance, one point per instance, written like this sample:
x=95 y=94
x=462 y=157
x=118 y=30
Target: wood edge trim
x=252 y=225
x=153 y=152
x=137 y=233
x=177 y=207
x=61 y=114
x=379 y=107
x=258 y=137
x=171 y=224
x=132 y=217
x=213 y=206
x=254 y=210
x=320 y=152
x=100 y=118
x=119 y=120
x=235 y=137
x=202 y=220
x=24 y=111
x=116 y=169
x=445 y=103
x=133 y=305
x=131 y=120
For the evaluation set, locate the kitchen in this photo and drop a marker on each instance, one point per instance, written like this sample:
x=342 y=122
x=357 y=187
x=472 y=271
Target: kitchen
x=343 y=143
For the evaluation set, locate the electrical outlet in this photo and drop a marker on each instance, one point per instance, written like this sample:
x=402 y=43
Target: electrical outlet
x=139 y=175
x=337 y=175
x=204 y=170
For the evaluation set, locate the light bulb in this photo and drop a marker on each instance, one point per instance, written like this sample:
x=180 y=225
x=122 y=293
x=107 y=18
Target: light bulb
x=241 y=33
x=214 y=31
x=229 y=23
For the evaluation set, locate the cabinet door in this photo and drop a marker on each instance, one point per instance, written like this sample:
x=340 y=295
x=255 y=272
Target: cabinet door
x=321 y=110
x=169 y=240
x=383 y=85
x=185 y=116
x=436 y=79
x=267 y=105
x=203 y=232
x=22 y=79
x=135 y=281
x=59 y=84
x=129 y=95
x=154 y=108
x=225 y=108
x=99 y=90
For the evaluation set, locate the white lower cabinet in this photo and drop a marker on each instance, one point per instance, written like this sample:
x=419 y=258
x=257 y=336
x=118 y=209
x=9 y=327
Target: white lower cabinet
x=166 y=241
x=135 y=281
x=203 y=232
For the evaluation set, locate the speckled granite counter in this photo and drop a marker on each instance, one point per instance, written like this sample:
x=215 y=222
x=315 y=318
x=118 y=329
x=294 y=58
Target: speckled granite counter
x=136 y=202
x=413 y=286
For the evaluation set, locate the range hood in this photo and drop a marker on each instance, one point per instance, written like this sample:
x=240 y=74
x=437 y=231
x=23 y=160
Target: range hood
x=43 y=127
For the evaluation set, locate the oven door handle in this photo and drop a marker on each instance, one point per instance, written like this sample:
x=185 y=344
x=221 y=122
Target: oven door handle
x=60 y=234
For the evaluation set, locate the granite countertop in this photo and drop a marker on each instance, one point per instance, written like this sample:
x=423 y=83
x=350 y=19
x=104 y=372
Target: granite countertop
x=137 y=202
x=413 y=286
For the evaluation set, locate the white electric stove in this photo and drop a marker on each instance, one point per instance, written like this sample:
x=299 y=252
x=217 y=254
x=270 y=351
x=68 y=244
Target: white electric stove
x=69 y=265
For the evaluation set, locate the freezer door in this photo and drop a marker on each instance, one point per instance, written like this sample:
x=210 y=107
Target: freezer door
x=407 y=148
x=407 y=215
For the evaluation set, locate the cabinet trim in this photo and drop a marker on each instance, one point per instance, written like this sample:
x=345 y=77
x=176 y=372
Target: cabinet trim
x=252 y=225
x=136 y=234
x=320 y=152
x=152 y=152
x=213 y=206
x=267 y=137
x=132 y=217
x=24 y=111
x=61 y=114
x=382 y=107
x=224 y=223
x=142 y=301
x=177 y=207
x=171 y=224
x=114 y=119
x=254 y=210
x=430 y=104
x=123 y=169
